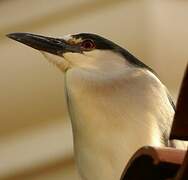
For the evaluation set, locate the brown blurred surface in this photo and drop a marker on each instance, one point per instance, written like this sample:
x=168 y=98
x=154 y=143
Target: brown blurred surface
x=34 y=124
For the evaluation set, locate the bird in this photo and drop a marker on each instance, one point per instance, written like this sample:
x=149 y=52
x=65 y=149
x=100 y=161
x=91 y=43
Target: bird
x=116 y=103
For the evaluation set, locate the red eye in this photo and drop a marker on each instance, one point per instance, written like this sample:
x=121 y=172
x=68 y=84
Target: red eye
x=88 y=44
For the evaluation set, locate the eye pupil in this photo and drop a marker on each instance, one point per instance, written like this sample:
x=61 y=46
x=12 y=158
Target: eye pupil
x=88 y=44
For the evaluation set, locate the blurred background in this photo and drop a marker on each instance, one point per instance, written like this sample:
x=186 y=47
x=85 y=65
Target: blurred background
x=35 y=131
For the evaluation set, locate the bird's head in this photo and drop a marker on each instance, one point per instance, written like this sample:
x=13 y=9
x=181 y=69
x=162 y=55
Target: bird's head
x=84 y=50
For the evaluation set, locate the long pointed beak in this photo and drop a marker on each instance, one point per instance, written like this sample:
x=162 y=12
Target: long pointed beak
x=55 y=46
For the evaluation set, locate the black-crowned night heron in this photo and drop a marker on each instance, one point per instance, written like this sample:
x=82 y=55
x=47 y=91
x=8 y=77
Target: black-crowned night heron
x=116 y=103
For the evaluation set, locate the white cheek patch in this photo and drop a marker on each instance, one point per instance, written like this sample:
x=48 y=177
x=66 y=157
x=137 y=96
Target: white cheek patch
x=103 y=60
x=75 y=58
x=94 y=53
x=79 y=60
x=107 y=58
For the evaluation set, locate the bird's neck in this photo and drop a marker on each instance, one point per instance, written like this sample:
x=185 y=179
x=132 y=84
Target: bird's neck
x=111 y=117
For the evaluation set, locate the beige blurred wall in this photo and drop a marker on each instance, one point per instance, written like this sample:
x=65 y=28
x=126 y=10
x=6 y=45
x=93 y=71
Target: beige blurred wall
x=35 y=132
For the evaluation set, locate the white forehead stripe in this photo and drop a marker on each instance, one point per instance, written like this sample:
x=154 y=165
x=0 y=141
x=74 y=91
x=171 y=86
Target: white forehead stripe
x=70 y=39
x=67 y=37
